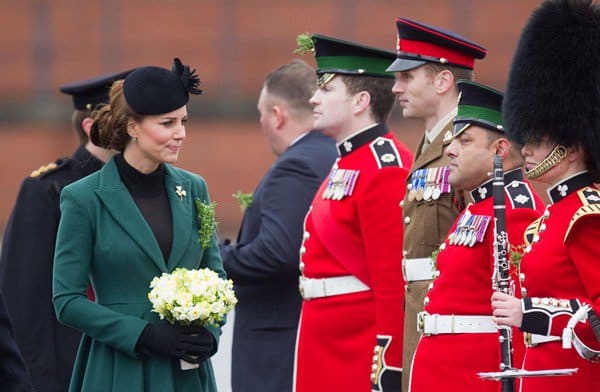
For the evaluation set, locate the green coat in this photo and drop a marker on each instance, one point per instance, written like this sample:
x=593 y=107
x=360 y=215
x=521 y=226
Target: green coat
x=103 y=238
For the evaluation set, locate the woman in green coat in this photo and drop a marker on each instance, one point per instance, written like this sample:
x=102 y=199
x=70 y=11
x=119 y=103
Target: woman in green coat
x=122 y=226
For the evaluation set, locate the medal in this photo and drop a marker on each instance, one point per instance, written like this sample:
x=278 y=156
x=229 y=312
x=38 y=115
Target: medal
x=437 y=190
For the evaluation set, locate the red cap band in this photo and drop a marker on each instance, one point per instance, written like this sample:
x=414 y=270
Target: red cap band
x=432 y=50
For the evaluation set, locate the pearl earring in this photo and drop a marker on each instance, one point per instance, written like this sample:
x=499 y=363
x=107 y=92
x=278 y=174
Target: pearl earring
x=133 y=139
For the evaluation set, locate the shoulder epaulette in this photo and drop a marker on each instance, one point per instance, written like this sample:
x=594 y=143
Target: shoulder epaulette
x=590 y=205
x=48 y=168
x=531 y=231
x=520 y=195
x=385 y=152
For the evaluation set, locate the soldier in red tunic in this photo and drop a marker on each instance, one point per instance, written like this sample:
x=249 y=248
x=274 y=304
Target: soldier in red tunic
x=552 y=106
x=459 y=337
x=350 y=334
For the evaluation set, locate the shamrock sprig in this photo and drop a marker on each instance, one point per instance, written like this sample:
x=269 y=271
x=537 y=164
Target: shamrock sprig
x=208 y=224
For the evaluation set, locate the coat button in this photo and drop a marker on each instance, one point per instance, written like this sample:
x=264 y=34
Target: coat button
x=301 y=267
x=302 y=250
x=523 y=292
x=426 y=301
x=521 y=277
x=401 y=203
x=407 y=220
x=306 y=235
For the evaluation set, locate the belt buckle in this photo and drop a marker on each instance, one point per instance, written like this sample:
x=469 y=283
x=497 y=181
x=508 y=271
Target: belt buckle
x=301 y=280
x=421 y=322
x=528 y=340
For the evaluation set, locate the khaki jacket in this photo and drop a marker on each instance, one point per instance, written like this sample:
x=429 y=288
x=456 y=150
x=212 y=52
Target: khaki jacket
x=426 y=223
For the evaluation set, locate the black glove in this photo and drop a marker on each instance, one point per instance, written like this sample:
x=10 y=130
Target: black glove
x=192 y=344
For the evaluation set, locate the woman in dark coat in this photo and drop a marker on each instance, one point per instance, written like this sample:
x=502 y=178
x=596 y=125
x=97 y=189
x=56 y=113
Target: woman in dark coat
x=122 y=226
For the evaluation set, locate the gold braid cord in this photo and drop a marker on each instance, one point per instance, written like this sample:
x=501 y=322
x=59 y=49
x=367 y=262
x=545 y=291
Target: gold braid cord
x=558 y=154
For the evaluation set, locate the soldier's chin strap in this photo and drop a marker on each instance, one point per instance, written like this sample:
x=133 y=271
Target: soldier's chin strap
x=570 y=338
x=556 y=155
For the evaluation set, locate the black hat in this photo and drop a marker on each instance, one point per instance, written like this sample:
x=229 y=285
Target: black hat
x=554 y=82
x=419 y=43
x=478 y=105
x=91 y=92
x=336 y=56
x=156 y=90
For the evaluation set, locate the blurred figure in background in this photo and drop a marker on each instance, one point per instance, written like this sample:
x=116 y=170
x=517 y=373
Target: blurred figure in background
x=264 y=262
x=49 y=348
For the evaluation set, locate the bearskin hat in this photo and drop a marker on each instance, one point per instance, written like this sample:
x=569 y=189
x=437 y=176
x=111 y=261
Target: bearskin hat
x=554 y=82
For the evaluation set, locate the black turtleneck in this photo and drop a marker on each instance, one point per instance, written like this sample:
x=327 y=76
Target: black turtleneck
x=150 y=195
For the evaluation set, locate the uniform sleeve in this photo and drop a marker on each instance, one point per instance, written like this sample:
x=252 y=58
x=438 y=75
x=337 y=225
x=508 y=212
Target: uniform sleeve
x=13 y=372
x=549 y=316
x=74 y=246
x=285 y=198
x=26 y=268
x=584 y=248
x=380 y=218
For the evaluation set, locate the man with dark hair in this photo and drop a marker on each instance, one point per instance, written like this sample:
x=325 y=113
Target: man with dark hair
x=429 y=63
x=460 y=338
x=264 y=262
x=350 y=334
x=26 y=262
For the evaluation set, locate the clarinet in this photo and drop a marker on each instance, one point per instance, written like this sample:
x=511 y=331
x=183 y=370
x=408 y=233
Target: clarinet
x=501 y=276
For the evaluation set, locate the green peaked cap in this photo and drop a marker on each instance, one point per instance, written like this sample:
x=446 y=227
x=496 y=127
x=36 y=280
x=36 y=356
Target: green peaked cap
x=478 y=105
x=336 y=56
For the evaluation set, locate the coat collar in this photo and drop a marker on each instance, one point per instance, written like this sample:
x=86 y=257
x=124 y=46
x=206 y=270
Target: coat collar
x=435 y=150
x=116 y=199
x=361 y=138
x=569 y=185
x=484 y=190
x=85 y=162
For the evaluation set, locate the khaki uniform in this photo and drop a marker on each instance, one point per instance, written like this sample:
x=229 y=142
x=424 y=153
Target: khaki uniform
x=426 y=224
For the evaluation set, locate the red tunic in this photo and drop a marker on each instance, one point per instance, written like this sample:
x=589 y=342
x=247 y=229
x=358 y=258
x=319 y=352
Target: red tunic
x=359 y=235
x=464 y=287
x=563 y=264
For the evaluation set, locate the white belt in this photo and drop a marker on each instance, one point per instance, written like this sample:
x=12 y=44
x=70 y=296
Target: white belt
x=435 y=324
x=418 y=269
x=532 y=339
x=326 y=287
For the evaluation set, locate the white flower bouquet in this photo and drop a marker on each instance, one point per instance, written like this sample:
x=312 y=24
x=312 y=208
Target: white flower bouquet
x=191 y=297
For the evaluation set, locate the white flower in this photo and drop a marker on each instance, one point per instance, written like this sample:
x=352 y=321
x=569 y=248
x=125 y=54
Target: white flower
x=192 y=296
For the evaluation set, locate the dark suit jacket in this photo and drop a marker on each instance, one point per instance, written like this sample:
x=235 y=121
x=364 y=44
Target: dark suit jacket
x=264 y=266
x=14 y=376
x=48 y=347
